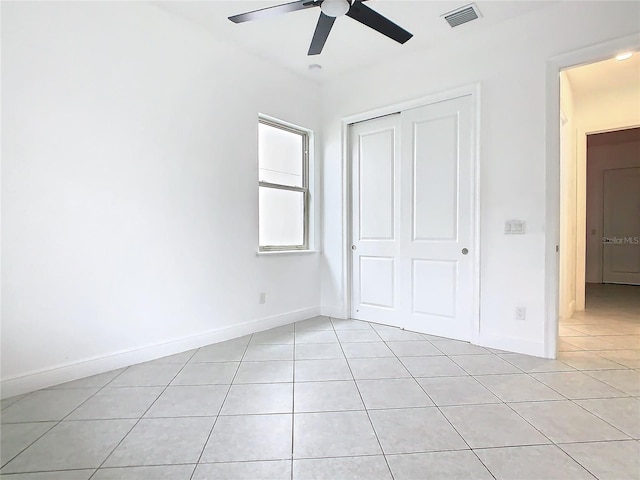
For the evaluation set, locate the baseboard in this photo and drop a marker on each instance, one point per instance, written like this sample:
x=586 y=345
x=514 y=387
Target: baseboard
x=92 y=366
x=511 y=344
x=334 y=312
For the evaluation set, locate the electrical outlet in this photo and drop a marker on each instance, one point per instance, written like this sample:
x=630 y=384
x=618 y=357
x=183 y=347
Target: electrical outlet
x=263 y=297
x=521 y=313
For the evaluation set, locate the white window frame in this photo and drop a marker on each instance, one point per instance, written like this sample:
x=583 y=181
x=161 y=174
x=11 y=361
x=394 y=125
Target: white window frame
x=304 y=189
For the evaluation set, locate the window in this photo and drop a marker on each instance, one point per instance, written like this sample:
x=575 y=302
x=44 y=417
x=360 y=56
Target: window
x=283 y=174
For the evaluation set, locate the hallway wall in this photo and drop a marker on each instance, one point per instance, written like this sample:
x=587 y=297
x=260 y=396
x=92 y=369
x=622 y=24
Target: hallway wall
x=568 y=200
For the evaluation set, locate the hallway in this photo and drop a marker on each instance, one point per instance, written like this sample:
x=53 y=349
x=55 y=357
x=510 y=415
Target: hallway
x=606 y=336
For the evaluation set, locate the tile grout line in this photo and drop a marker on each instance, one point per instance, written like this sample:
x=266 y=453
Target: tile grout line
x=575 y=460
x=29 y=445
x=22 y=396
x=293 y=400
x=334 y=457
x=58 y=422
x=586 y=372
x=477 y=404
x=592 y=351
x=498 y=401
x=597 y=416
x=438 y=407
x=556 y=444
x=548 y=386
x=573 y=401
x=215 y=421
x=141 y=416
x=565 y=398
x=362 y=399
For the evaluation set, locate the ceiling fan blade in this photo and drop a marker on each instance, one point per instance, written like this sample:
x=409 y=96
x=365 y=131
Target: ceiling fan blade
x=273 y=11
x=323 y=28
x=373 y=19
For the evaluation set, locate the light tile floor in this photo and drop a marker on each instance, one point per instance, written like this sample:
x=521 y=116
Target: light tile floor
x=330 y=399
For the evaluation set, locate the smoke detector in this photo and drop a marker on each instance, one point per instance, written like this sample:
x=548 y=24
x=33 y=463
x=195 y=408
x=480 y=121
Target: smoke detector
x=462 y=15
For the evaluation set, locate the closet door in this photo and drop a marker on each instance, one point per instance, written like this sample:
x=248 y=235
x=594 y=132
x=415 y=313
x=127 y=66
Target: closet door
x=413 y=219
x=436 y=248
x=375 y=252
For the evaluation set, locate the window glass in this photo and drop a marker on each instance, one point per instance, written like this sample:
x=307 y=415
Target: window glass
x=281 y=217
x=281 y=156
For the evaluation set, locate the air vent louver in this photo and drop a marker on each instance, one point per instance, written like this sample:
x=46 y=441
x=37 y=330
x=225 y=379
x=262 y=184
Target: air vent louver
x=462 y=15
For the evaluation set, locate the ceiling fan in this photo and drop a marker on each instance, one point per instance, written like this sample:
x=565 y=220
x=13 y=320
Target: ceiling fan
x=330 y=9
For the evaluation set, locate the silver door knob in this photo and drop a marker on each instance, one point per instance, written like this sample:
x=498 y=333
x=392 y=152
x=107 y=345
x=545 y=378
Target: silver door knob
x=353 y=247
x=465 y=251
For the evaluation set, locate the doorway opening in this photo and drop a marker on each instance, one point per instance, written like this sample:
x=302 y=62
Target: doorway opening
x=599 y=261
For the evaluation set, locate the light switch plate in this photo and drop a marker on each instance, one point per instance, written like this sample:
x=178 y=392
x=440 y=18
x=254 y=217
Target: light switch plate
x=514 y=227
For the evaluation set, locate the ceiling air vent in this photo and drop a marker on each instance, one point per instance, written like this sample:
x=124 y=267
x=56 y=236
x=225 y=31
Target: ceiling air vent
x=462 y=15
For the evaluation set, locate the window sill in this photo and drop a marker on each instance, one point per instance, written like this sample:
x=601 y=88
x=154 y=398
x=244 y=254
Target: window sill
x=286 y=252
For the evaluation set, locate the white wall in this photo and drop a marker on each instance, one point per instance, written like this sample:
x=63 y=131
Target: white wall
x=129 y=190
x=600 y=158
x=510 y=62
x=609 y=110
x=568 y=207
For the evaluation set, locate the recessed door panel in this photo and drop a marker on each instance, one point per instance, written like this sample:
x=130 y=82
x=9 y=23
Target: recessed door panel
x=376 y=179
x=435 y=285
x=377 y=281
x=435 y=178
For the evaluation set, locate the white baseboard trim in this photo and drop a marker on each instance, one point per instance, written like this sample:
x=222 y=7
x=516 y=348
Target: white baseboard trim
x=92 y=366
x=511 y=344
x=334 y=312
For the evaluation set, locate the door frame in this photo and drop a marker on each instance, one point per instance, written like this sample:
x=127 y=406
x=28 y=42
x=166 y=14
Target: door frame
x=554 y=65
x=472 y=90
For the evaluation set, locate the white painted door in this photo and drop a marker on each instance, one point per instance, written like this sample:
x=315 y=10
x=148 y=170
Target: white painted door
x=437 y=218
x=621 y=211
x=375 y=153
x=414 y=266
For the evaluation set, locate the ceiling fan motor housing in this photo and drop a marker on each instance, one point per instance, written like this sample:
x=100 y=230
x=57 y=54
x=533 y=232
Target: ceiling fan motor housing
x=335 y=8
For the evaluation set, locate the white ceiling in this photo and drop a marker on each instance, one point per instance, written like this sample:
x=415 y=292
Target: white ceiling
x=607 y=75
x=285 y=39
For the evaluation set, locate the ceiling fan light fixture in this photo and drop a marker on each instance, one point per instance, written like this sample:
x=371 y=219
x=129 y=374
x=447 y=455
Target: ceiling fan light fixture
x=624 y=56
x=335 y=8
